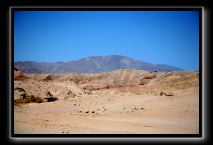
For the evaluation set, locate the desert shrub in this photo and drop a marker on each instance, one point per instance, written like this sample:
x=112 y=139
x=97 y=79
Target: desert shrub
x=108 y=86
x=28 y=99
x=24 y=96
x=51 y=99
x=141 y=82
x=169 y=94
x=162 y=93
x=34 y=99
x=166 y=94
x=48 y=78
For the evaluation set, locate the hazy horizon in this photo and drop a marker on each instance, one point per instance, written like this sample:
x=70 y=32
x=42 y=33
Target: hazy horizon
x=88 y=57
x=157 y=37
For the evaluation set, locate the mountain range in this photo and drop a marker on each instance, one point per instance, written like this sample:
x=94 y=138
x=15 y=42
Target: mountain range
x=93 y=64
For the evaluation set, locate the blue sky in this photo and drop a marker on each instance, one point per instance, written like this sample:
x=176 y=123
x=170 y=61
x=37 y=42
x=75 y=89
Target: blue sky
x=159 y=37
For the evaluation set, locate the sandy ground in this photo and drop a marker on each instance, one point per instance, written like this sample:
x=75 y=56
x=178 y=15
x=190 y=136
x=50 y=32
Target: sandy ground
x=114 y=113
x=127 y=111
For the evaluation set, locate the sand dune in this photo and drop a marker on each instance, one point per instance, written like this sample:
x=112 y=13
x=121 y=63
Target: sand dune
x=121 y=101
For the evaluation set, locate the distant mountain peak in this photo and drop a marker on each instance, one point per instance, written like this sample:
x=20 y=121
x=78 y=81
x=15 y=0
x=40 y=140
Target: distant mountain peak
x=92 y=64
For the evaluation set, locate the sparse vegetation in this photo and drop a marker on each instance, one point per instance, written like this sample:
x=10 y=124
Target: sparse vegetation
x=166 y=94
x=28 y=99
x=33 y=98
x=141 y=83
x=48 y=78
x=51 y=99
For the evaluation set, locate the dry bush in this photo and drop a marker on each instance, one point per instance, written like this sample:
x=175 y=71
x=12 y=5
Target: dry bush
x=108 y=87
x=28 y=99
x=170 y=94
x=166 y=94
x=35 y=99
x=48 y=78
x=51 y=99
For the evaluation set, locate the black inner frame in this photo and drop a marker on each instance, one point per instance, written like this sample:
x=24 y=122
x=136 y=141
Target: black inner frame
x=106 y=9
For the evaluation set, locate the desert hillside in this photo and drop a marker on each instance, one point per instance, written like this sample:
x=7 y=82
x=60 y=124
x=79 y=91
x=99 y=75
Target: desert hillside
x=120 y=101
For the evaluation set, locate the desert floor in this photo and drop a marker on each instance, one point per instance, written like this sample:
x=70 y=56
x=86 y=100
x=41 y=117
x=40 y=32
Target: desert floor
x=111 y=111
